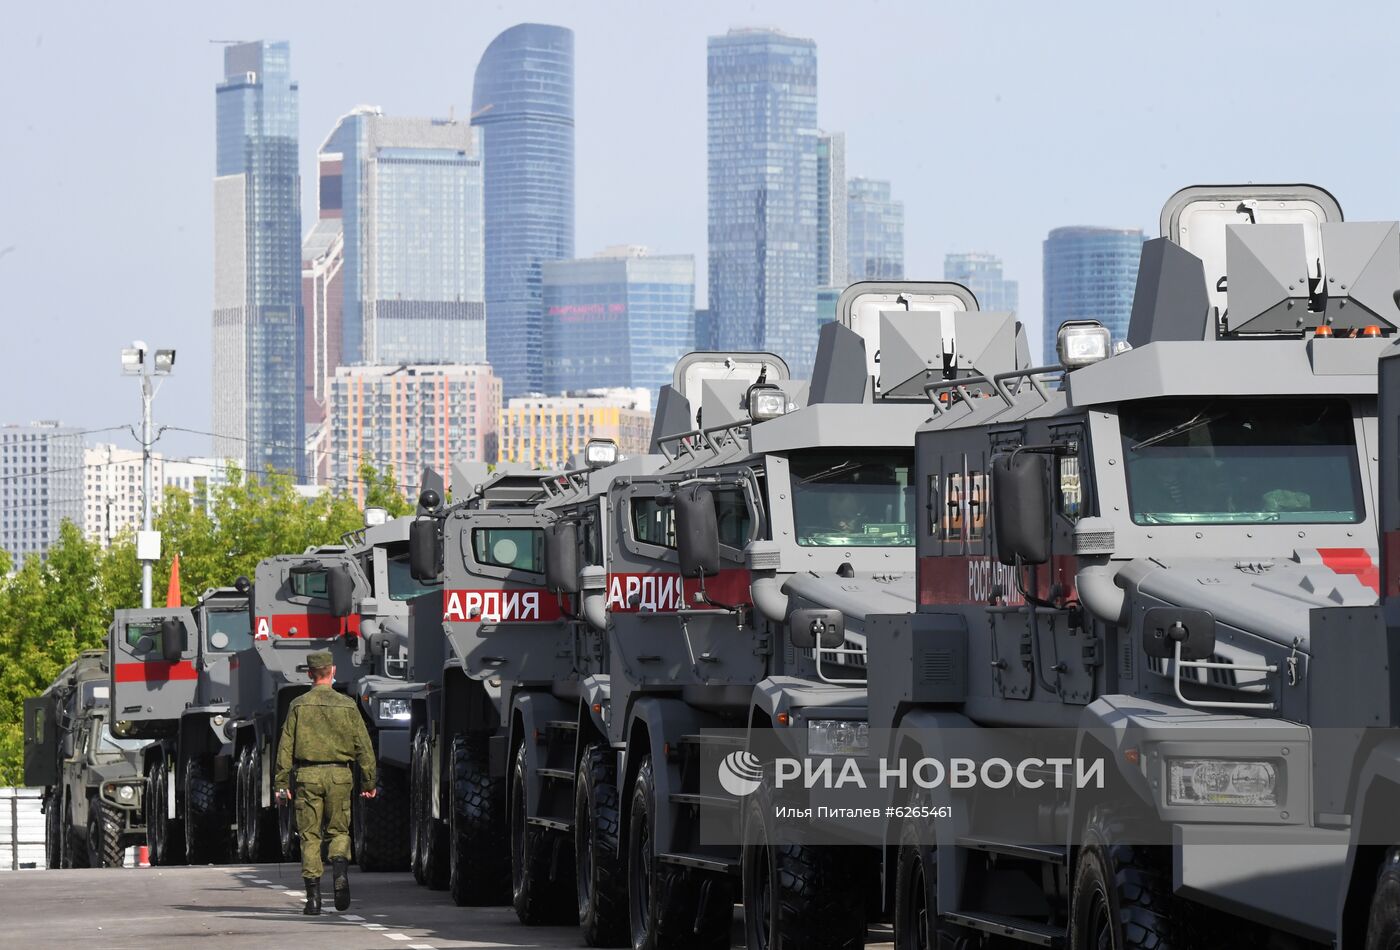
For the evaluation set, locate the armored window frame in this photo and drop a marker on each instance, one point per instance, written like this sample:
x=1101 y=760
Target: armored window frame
x=483 y=547
x=623 y=508
x=954 y=508
x=975 y=508
x=457 y=532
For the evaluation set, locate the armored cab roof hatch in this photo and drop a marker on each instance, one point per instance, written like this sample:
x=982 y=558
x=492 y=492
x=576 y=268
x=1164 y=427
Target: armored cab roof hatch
x=916 y=333
x=709 y=388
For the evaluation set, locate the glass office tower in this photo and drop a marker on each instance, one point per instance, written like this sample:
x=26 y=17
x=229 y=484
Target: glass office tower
x=875 y=231
x=523 y=102
x=762 y=155
x=1090 y=274
x=257 y=337
x=981 y=273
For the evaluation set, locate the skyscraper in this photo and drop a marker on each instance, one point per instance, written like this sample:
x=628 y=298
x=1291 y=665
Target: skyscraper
x=875 y=231
x=981 y=273
x=523 y=101
x=762 y=152
x=618 y=319
x=408 y=194
x=831 y=209
x=257 y=339
x=1090 y=274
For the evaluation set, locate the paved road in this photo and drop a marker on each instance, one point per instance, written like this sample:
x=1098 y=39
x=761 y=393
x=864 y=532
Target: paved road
x=250 y=906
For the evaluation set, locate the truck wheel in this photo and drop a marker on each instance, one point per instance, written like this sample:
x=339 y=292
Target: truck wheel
x=1122 y=897
x=602 y=888
x=1383 y=923
x=796 y=895
x=74 y=848
x=264 y=836
x=916 y=925
x=165 y=835
x=429 y=845
x=53 y=831
x=288 y=839
x=104 y=836
x=537 y=891
x=206 y=816
x=476 y=859
x=665 y=902
x=242 y=807
x=381 y=824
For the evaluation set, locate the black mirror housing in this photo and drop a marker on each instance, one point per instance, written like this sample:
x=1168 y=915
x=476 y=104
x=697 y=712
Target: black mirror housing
x=697 y=532
x=423 y=549
x=1164 y=627
x=561 y=562
x=340 y=591
x=812 y=625
x=1021 y=508
x=172 y=640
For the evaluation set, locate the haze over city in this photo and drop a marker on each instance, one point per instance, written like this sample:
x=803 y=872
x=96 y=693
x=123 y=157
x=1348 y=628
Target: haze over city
x=106 y=211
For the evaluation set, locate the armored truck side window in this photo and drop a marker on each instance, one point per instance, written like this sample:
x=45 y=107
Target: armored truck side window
x=520 y=549
x=143 y=637
x=655 y=523
x=229 y=631
x=1241 y=461
x=845 y=501
x=402 y=586
x=309 y=584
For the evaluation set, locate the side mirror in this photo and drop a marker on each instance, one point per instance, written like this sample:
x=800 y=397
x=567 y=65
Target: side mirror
x=812 y=625
x=561 y=557
x=423 y=549
x=1164 y=627
x=172 y=640
x=697 y=532
x=1021 y=508
x=340 y=591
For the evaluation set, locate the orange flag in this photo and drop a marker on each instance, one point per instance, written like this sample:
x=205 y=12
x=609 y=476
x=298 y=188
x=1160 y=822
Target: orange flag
x=172 y=593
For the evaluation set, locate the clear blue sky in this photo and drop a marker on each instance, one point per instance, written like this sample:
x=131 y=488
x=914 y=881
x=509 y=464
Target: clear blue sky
x=996 y=122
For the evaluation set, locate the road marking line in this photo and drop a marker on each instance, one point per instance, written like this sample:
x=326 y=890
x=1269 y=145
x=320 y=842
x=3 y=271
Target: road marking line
x=293 y=893
x=374 y=926
x=354 y=917
x=398 y=936
x=420 y=946
x=260 y=881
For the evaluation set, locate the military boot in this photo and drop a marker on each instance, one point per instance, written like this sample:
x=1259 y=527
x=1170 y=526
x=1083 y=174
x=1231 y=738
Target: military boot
x=313 y=897
x=341 y=877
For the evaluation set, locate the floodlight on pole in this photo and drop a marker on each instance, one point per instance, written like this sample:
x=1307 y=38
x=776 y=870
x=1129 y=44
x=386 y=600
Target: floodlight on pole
x=134 y=364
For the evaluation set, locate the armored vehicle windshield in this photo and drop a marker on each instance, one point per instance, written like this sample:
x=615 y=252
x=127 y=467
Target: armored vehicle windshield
x=402 y=585
x=1241 y=461
x=106 y=745
x=839 y=500
x=521 y=549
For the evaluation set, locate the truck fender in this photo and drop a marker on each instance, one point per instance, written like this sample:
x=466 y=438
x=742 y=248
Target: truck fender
x=1104 y=732
x=655 y=723
x=1375 y=819
x=597 y=698
x=530 y=711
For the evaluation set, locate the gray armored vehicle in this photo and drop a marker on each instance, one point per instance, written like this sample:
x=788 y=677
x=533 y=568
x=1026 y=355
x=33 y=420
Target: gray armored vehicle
x=484 y=553
x=93 y=787
x=174 y=680
x=1119 y=574
x=355 y=595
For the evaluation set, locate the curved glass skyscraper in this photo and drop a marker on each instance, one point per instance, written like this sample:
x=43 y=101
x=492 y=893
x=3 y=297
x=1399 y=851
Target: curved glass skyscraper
x=523 y=101
x=1090 y=274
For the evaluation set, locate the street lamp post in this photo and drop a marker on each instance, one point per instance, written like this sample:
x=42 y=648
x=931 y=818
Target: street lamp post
x=134 y=363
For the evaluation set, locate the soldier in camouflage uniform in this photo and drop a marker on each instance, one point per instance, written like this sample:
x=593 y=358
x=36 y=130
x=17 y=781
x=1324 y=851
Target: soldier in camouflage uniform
x=323 y=734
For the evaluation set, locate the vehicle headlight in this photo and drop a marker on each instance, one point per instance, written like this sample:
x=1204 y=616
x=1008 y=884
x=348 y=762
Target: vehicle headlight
x=1222 y=782
x=837 y=737
x=394 y=709
x=126 y=794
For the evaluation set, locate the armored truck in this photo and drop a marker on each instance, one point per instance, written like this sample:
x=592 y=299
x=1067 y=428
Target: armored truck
x=1119 y=558
x=297 y=609
x=94 y=793
x=174 y=679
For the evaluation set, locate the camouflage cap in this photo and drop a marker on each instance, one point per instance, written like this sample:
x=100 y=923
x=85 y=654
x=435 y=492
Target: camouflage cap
x=320 y=660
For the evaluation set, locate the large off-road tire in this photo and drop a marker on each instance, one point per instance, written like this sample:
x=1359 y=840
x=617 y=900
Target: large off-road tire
x=288 y=838
x=242 y=805
x=75 y=853
x=53 y=830
x=206 y=816
x=429 y=844
x=477 y=862
x=381 y=824
x=796 y=894
x=1383 y=921
x=104 y=835
x=916 y=924
x=540 y=888
x=601 y=883
x=164 y=833
x=1122 y=897
x=664 y=901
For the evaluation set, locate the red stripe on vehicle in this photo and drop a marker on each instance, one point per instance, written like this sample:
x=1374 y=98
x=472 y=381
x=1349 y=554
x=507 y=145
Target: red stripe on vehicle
x=305 y=626
x=508 y=605
x=974 y=578
x=154 y=671
x=668 y=592
x=1355 y=561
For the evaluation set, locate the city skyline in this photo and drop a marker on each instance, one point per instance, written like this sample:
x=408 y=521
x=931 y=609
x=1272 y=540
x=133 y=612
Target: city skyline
x=651 y=190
